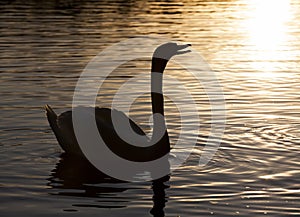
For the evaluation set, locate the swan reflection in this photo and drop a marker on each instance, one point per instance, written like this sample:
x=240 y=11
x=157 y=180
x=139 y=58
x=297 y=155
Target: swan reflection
x=76 y=177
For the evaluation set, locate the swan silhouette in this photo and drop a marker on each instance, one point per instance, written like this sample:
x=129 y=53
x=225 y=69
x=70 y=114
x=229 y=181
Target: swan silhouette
x=62 y=125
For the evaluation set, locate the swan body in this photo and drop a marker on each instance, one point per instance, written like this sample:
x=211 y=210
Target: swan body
x=62 y=125
x=63 y=128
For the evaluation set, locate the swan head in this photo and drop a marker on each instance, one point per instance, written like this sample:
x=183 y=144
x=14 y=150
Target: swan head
x=168 y=50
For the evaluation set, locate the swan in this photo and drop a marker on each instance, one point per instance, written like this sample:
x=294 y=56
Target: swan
x=62 y=125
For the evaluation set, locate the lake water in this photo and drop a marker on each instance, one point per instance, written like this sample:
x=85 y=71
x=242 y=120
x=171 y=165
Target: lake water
x=253 y=46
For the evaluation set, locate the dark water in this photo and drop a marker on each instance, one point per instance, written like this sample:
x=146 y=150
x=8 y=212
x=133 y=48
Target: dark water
x=252 y=45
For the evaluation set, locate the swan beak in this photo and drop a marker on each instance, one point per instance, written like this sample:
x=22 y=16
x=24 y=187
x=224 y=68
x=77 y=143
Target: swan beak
x=181 y=47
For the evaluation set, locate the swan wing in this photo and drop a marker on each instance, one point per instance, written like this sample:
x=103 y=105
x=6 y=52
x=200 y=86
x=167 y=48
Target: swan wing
x=103 y=117
x=62 y=126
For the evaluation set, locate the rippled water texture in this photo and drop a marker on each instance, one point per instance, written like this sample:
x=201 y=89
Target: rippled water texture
x=252 y=45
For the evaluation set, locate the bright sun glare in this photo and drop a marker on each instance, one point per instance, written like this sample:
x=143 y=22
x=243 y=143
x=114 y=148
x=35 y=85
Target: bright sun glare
x=267 y=30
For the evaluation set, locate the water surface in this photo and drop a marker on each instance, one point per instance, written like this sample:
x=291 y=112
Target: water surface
x=254 y=49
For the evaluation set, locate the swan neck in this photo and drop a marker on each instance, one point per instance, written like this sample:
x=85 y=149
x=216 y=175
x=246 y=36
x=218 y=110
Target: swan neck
x=158 y=64
x=157 y=98
x=157 y=69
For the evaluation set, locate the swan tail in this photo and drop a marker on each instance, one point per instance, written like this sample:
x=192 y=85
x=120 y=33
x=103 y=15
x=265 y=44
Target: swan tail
x=52 y=119
x=50 y=114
